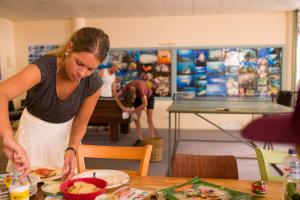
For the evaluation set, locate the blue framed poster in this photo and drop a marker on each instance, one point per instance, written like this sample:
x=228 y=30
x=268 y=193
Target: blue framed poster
x=229 y=71
x=151 y=65
x=36 y=51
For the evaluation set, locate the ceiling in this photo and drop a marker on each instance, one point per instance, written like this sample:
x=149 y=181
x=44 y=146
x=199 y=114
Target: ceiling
x=24 y=10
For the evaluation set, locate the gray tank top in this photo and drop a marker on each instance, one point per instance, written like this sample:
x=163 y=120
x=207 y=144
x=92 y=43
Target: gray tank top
x=42 y=101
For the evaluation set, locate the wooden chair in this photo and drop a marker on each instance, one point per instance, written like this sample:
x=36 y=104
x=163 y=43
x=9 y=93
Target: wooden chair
x=205 y=166
x=116 y=152
x=285 y=98
x=266 y=158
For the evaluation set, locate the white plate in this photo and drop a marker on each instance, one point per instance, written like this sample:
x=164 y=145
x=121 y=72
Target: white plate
x=54 y=198
x=57 y=176
x=114 y=178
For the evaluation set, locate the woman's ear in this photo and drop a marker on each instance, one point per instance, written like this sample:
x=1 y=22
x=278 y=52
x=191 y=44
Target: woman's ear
x=69 y=46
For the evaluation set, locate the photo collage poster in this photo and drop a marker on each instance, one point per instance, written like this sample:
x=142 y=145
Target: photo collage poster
x=229 y=71
x=36 y=51
x=152 y=66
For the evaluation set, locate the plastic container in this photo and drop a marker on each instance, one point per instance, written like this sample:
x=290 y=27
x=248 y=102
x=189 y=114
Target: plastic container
x=20 y=192
x=291 y=175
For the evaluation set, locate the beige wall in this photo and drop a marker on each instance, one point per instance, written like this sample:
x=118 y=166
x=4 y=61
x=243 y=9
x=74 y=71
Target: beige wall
x=289 y=78
x=39 y=32
x=36 y=33
x=7 y=48
x=207 y=30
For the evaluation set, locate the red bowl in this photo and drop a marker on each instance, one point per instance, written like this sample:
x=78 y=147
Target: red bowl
x=88 y=196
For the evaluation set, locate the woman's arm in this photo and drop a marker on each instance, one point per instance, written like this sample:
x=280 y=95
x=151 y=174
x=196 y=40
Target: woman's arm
x=117 y=96
x=78 y=130
x=13 y=87
x=9 y=89
x=113 y=86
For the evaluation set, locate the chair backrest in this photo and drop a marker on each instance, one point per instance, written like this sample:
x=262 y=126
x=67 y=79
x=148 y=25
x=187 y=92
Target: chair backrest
x=142 y=154
x=285 y=98
x=267 y=157
x=205 y=166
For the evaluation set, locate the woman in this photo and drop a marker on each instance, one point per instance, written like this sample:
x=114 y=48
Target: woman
x=108 y=76
x=62 y=91
x=141 y=96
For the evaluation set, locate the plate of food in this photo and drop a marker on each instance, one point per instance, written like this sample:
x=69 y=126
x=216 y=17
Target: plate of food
x=114 y=178
x=199 y=189
x=47 y=173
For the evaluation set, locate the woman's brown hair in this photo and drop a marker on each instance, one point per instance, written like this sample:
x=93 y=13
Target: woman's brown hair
x=129 y=97
x=91 y=40
x=87 y=39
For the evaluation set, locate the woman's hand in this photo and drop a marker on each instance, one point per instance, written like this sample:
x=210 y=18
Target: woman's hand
x=17 y=155
x=69 y=165
x=131 y=111
x=125 y=109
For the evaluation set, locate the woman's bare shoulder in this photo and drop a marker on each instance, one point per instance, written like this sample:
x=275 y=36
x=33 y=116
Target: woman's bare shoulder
x=22 y=81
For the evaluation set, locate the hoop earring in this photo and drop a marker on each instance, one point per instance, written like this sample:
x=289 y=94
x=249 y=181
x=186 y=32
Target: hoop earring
x=58 y=68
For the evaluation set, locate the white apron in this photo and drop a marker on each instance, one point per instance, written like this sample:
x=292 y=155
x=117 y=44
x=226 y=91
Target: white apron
x=44 y=142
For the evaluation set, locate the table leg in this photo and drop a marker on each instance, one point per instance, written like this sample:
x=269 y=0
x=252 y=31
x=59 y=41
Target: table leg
x=229 y=133
x=114 y=131
x=175 y=140
x=172 y=152
x=124 y=128
x=169 y=140
x=178 y=138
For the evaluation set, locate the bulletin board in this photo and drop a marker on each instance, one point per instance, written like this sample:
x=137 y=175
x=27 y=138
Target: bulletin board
x=229 y=71
x=36 y=51
x=218 y=71
x=151 y=65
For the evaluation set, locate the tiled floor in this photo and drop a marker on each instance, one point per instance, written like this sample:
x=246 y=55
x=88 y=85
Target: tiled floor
x=248 y=168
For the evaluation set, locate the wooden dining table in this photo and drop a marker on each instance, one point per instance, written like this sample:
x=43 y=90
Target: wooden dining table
x=154 y=183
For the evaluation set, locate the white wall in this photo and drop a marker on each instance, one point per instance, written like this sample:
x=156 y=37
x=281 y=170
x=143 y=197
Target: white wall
x=39 y=32
x=206 y=30
x=7 y=48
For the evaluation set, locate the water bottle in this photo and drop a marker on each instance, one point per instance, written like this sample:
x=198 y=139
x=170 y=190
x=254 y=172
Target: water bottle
x=291 y=175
